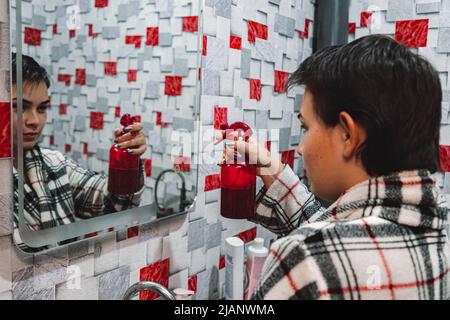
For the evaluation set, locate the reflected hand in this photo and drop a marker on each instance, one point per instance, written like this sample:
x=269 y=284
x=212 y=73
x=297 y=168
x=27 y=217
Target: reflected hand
x=133 y=140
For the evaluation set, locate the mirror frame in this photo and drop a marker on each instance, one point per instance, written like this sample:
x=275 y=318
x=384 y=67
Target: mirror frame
x=98 y=226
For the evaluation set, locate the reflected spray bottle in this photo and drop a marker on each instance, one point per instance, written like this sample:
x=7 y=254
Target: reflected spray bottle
x=238 y=179
x=123 y=176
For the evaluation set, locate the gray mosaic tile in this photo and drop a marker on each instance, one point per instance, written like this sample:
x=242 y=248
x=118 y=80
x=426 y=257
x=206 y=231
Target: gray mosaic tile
x=113 y=284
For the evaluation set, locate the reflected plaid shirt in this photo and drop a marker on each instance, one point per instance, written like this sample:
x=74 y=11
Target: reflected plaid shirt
x=60 y=192
x=384 y=238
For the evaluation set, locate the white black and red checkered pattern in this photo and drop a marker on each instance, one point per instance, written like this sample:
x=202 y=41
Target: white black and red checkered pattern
x=383 y=239
x=60 y=192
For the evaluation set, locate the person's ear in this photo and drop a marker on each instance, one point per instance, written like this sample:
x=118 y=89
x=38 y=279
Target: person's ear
x=352 y=134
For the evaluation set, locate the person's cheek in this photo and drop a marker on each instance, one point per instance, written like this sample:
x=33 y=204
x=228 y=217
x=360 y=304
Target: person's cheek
x=42 y=121
x=310 y=160
x=306 y=150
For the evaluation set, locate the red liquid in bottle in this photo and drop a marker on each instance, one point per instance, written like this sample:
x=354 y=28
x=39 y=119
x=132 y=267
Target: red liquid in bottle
x=238 y=193
x=124 y=178
x=238 y=181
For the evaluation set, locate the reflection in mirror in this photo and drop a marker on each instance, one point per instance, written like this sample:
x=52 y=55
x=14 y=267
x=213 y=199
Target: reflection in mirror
x=105 y=115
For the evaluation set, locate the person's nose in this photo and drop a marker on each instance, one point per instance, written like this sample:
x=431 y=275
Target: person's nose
x=300 y=149
x=31 y=118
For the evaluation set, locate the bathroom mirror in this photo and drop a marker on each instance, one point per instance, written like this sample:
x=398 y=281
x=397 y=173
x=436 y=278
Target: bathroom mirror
x=83 y=71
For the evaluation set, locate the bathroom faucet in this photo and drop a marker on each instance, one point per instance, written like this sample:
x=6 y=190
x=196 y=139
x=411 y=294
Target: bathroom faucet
x=148 y=286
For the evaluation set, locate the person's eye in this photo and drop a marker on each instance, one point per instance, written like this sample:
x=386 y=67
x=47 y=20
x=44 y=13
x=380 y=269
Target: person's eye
x=42 y=109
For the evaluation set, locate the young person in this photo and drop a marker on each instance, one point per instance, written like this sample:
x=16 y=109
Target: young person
x=57 y=190
x=371 y=115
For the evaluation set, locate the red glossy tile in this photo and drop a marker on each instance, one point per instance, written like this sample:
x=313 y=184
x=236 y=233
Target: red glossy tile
x=63 y=108
x=220 y=117
x=235 y=42
x=182 y=164
x=85 y=148
x=281 y=79
x=117 y=112
x=257 y=30
x=55 y=28
x=212 y=182
x=173 y=86
x=412 y=33
x=72 y=33
x=221 y=262
x=157 y=272
x=91 y=31
x=255 y=89
x=205 y=46
x=287 y=157
x=5 y=130
x=444 y=152
x=134 y=40
x=366 y=19
x=80 y=77
x=352 y=27
x=133 y=232
x=248 y=235
x=152 y=36
x=52 y=140
x=66 y=78
x=132 y=75
x=190 y=24
x=305 y=34
x=96 y=120
x=159 y=120
x=192 y=283
x=110 y=68
x=148 y=167
x=101 y=3
x=32 y=36
x=67 y=147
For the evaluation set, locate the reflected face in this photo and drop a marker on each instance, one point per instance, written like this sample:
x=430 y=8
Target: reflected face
x=35 y=105
x=320 y=152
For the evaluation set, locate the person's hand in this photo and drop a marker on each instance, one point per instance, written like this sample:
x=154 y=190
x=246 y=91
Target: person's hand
x=269 y=166
x=133 y=140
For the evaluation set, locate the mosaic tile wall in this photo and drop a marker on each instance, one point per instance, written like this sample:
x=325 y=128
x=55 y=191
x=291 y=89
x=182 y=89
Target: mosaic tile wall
x=110 y=58
x=248 y=49
x=424 y=26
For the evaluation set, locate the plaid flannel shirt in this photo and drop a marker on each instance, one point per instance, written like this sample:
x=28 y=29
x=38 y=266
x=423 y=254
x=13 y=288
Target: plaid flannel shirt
x=384 y=238
x=60 y=192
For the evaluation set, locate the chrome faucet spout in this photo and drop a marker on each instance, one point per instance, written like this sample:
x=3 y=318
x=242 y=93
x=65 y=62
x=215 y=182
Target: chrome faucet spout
x=148 y=286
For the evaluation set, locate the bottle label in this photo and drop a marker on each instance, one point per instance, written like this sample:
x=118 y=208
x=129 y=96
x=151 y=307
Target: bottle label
x=254 y=271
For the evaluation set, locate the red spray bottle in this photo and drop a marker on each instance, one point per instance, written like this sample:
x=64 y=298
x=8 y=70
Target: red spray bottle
x=238 y=180
x=124 y=176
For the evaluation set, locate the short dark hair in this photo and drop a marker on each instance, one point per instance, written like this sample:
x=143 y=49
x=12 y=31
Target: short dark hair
x=393 y=93
x=32 y=72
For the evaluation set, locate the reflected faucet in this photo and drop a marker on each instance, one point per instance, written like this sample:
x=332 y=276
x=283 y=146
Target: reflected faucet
x=148 y=286
x=184 y=202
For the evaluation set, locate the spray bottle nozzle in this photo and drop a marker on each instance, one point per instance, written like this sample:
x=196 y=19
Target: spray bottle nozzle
x=127 y=120
x=244 y=131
